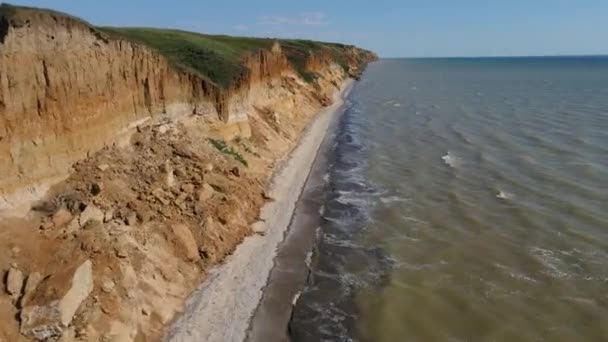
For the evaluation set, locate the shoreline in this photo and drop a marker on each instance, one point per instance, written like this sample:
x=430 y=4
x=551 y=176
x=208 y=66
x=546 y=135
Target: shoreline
x=289 y=276
x=222 y=306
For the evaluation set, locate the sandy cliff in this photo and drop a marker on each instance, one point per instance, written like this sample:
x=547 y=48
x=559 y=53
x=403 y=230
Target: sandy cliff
x=144 y=175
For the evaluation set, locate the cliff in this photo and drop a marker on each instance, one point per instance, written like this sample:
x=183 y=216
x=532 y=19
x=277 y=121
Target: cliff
x=133 y=160
x=68 y=88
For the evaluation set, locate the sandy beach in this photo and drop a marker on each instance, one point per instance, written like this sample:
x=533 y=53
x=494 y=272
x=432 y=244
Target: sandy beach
x=221 y=308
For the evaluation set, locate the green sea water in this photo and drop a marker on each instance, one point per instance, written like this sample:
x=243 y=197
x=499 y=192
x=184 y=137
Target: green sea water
x=468 y=201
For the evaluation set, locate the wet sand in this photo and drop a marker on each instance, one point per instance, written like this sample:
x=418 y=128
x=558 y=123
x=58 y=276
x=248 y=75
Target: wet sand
x=222 y=307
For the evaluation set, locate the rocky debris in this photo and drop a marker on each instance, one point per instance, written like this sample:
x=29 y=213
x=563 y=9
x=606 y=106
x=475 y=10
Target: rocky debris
x=131 y=219
x=235 y=171
x=68 y=335
x=93 y=225
x=205 y=193
x=162 y=196
x=32 y=282
x=48 y=321
x=103 y=167
x=186 y=241
x=170 y=177
x=121 y=252
x=188 y=188
x=14 y=283
x=61 y=217
x=218 y=183
x=96 y=189
x=259 y=227
x=107 y=285
x=91 y=212
x=108 y=215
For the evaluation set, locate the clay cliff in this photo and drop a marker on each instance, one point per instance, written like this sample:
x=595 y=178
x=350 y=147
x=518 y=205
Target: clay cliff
x=124 y=176
x=68 y=89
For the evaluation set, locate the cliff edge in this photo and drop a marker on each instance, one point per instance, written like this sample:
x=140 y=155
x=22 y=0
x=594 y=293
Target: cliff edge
x=68 y=88
x=134 y=160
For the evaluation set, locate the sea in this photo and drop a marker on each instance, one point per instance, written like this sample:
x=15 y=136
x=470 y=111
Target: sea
x=465 y=199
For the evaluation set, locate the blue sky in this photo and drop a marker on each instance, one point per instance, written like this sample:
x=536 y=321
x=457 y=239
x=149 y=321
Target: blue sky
x=392 y=28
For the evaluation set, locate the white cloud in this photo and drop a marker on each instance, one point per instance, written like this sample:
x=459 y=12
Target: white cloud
x=302 y=19
x=241 y=28
x=314 y=19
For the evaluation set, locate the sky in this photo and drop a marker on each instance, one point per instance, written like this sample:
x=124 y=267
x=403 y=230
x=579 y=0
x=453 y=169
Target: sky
x=406 y=28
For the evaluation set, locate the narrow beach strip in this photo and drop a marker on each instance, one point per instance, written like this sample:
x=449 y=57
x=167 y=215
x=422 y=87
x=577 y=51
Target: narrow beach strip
x=221 y=308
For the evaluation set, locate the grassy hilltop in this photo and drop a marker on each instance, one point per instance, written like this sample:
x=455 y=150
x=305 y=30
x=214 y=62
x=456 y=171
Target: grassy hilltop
x=214 y=57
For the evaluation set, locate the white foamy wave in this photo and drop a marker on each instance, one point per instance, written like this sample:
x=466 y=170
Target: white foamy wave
x=413 y=219
x=326 y=177
x=515 y=274
x=451 y=160
x=322 y=210
x=553 y=265
x=504 y=195
x=397 y=105
x=392 y=199
x=408 y=238
x=308 y=260
x=351 y=198
x=295 y=299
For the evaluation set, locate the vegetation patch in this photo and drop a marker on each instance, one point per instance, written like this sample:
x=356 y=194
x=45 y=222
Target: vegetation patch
x=219 y=58
x=227 y=150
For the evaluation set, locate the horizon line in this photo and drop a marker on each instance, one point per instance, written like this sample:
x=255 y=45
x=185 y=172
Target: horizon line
x=497 y=56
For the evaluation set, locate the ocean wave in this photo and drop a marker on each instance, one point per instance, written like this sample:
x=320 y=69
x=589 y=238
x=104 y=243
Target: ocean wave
x=413 y=219
x=553 y=265
x=451 y=160
x=326 y=177
x=504 y=195
x=515 y=274
x=393 y=199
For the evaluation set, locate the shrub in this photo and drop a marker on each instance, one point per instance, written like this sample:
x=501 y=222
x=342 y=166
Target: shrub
x=227 y=150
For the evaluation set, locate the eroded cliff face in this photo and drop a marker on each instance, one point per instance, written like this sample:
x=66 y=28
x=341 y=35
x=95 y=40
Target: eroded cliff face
x=147 y=203
x=66 y=90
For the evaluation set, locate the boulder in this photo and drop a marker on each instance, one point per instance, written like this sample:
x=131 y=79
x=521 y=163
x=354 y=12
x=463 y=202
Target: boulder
x=96 y=188
x=103 y=167
x=235 y=171
x=131 y=219
x=188 y=188
x=32 y=282
x=186 y=241
x=205 y=193
x=61 y=217
x=91 y=212
x=107 y=285
x=14 y=283
x=48 y=321
x=218 y=183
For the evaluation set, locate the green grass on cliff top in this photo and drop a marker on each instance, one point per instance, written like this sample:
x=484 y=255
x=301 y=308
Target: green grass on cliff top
x=217 y=58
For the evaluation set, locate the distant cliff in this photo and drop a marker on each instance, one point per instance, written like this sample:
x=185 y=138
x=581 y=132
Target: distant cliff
x=68 y=88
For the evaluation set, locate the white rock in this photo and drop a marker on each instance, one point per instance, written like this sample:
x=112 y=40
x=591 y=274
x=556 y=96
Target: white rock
x=186 y=241
x=32 y=282
x=14 y=283
x=48 y=321
x=107 y=286
x=91 y=212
